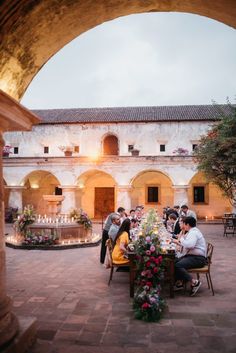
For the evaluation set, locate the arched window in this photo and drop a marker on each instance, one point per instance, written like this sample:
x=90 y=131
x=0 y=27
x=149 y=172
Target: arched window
x=110 y=145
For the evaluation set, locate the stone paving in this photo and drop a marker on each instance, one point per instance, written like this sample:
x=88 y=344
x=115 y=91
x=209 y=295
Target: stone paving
x=77 y=311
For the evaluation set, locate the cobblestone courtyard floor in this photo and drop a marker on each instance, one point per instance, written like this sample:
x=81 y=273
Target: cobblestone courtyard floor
x=76 y=311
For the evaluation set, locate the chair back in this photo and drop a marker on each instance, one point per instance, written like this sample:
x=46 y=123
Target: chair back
x=210 y=249
x=109 y=246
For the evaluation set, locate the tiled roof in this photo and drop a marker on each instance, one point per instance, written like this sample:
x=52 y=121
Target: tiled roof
x=133 y=114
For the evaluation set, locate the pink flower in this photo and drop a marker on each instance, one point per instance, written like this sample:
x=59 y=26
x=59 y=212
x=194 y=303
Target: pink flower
x=148 y=252
x=152 y=248
x=148 y=239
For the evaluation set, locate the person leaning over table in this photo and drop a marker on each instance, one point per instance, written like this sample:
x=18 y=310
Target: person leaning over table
x=121 y=243
x=193 y=255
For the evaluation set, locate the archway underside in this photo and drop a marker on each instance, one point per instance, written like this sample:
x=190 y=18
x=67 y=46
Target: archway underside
x=32 y=31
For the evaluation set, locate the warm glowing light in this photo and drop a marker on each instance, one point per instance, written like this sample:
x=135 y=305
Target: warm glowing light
x=94 y=156
x=34 y=186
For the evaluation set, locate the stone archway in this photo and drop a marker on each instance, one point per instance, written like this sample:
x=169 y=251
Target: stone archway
x=31 y=32
x=37 y=184
x=96 y=193
x=152 y=188
x=206 y=199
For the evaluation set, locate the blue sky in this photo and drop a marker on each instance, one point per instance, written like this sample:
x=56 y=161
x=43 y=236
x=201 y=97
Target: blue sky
x=140 y=60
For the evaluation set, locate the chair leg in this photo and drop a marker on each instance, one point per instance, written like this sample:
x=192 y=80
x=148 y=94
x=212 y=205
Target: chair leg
x=207 y=280
x=111 y=274
x=213 y=293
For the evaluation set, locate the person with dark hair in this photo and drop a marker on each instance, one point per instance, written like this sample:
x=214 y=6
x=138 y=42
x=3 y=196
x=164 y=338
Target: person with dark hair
x=193 y=255
x=131 y=214
x=174 y=223
x=121 y=241
x=186 y=212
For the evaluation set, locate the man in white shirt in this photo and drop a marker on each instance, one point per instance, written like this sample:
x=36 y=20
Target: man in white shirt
x=193 y=255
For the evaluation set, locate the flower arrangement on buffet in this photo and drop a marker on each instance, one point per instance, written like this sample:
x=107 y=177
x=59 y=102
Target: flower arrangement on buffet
x=81 y=217
x=27 y=217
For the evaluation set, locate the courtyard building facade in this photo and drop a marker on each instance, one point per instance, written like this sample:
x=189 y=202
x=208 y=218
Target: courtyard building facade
x=102 y=158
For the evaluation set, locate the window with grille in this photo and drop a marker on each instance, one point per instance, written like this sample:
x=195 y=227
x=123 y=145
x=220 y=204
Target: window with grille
x=16 y=150
x=46 y=149
x=162 y=148
x=199 y=194
x=152 y=194
x=130 y=148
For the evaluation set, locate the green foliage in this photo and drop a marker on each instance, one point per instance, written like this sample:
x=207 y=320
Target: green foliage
x=216 y=153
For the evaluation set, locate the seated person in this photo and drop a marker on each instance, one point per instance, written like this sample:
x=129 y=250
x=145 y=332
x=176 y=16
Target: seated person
x=193 y=255
x=115 y=219
x=174 y=224
x=121 y=242
x=131 y=214
x=133 y=228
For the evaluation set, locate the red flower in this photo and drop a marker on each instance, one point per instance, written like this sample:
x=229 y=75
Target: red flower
x=149 y=284
x=146 y=305
x=148 y=264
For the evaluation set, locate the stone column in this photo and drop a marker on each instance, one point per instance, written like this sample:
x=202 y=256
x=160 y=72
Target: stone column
x=15 y=197
x=69 y=202
x=8 y=322
x=123 y=197
x=180 y=194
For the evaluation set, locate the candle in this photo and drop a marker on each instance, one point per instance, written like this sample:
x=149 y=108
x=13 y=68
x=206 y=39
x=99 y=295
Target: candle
x=72 y=219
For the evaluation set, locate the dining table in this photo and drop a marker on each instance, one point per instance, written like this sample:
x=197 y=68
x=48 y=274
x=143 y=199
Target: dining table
x=168 y=257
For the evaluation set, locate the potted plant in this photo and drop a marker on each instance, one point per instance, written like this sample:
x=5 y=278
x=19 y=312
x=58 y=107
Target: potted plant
x=6 y=151
x=135 y=152
x=68 y=150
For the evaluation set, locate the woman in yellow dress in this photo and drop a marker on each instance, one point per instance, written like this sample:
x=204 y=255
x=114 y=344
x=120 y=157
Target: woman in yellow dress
x=121 y=241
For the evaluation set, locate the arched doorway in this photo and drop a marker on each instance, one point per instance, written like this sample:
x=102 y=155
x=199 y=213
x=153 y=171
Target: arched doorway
x=152 y=189
x=23 y=55
x=206 y=199
x=96 y=193
x=110 y=145
x=37 y=184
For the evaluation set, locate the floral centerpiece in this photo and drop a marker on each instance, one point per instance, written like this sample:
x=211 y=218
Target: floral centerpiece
x=39 y=239
x=148 y=304
x=81 y=217
x=27 y=217
x=181 y=151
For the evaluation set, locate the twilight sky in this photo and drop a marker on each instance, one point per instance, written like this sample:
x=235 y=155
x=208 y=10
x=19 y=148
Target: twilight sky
x=139 y=60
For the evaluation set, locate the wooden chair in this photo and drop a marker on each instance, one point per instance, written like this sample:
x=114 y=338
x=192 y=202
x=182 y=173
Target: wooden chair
x=109 y=246
x=229 y=223
x=206 y=269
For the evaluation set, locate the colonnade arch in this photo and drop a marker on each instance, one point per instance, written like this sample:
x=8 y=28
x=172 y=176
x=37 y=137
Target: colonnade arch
x=96 y=193
x=206 y=198
x=152 y=188
x=35 y=185
x=33 y=31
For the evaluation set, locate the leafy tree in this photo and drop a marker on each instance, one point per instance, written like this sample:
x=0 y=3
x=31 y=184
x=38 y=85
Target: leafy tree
x=216 y=153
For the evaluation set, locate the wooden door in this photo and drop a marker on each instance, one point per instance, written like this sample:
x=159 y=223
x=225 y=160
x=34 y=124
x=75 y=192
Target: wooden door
x=104 y=202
